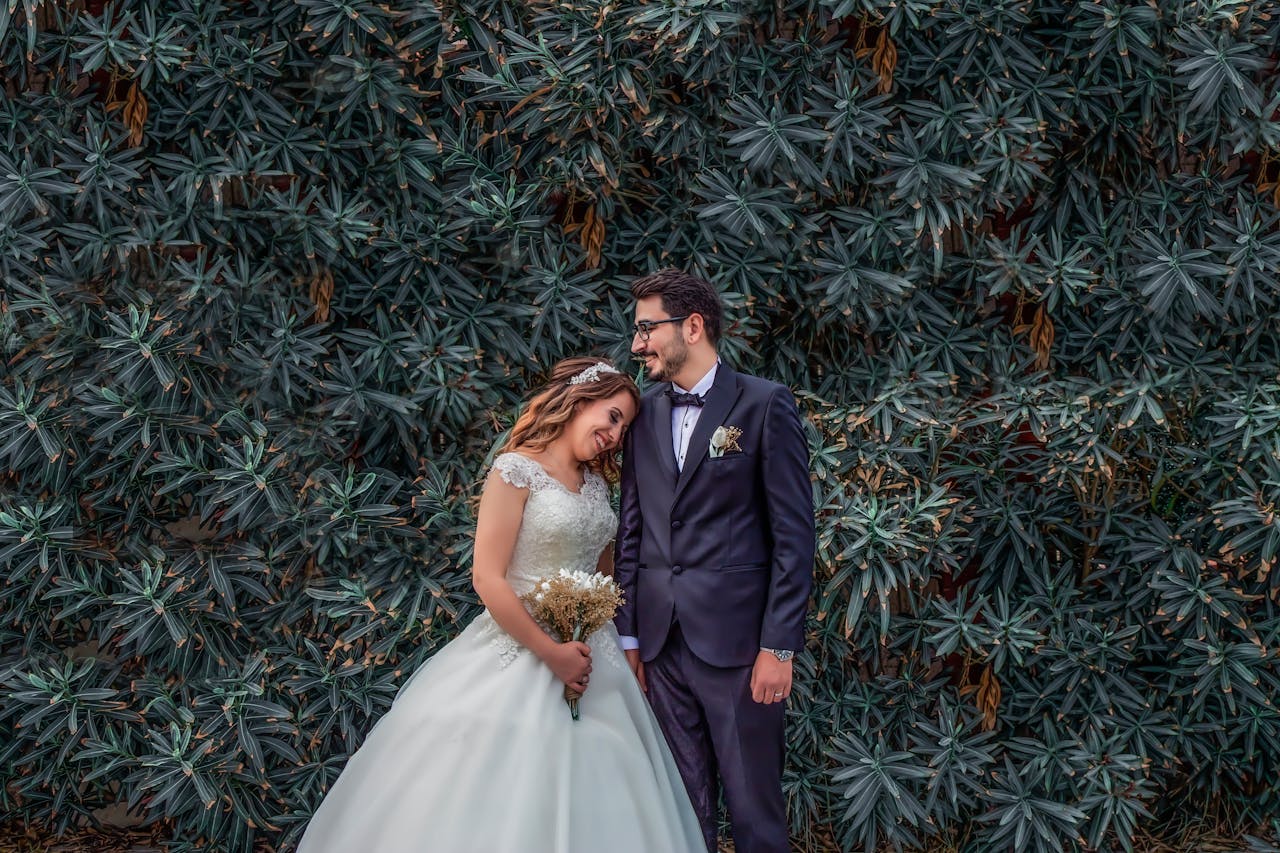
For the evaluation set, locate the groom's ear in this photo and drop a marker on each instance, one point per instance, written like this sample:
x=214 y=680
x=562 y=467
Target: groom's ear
x=697 y=327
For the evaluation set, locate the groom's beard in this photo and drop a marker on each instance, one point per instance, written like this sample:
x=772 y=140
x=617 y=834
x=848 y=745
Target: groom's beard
x=670 y=360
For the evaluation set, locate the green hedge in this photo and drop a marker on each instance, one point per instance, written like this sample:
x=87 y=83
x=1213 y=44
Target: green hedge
x=275 y=275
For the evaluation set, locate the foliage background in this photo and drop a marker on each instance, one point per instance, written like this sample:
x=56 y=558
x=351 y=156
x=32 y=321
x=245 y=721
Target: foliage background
x=276 y=274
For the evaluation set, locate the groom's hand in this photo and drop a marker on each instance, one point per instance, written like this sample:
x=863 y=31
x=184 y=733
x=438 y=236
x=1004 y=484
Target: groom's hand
x=770 y=679
x=637 y=667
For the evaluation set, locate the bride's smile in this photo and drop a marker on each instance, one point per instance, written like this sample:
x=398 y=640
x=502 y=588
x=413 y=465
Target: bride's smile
x=599 y=426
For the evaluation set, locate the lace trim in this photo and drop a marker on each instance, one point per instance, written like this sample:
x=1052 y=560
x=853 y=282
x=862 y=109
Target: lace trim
x=524 y=473
x=504 y=644
x=605 y=647
x=593 y=483
x=520 y=471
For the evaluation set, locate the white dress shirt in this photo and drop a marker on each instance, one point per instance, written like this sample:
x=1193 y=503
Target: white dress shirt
x=684 y=419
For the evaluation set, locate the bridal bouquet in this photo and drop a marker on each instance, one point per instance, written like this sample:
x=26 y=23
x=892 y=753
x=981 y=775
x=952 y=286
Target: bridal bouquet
x=572 y=606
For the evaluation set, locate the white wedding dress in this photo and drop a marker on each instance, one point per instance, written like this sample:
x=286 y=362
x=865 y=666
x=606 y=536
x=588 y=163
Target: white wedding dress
x=478 y=753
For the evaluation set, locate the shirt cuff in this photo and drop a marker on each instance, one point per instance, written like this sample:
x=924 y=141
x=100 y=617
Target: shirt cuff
x=628 y=643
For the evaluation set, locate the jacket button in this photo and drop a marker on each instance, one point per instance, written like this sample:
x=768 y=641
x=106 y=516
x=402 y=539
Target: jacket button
x=677 y=524
x=675 y=570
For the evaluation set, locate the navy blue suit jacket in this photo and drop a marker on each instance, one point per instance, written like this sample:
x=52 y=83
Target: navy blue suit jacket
x=725 y=546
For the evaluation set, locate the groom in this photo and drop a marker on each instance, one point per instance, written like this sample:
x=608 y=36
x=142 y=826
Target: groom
x=715 y=557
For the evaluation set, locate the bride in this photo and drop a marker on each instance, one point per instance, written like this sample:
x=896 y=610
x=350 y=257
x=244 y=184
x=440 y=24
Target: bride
x=478 y=753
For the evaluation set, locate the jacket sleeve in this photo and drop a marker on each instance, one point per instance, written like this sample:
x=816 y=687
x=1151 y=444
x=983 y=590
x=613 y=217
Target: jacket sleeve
x=789 y=508
x=626 y=552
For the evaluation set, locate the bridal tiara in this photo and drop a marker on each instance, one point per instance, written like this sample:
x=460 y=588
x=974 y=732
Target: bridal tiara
x=592 y=373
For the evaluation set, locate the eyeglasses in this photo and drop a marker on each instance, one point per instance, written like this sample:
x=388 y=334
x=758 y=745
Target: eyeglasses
x=645 y=328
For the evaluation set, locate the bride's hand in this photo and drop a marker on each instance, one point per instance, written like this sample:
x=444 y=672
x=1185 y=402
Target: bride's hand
x=571 y=663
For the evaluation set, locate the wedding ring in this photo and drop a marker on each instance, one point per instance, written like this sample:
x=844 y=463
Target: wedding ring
x=777 y=693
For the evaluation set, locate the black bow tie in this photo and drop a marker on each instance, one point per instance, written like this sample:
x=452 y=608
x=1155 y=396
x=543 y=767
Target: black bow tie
x=679 y=398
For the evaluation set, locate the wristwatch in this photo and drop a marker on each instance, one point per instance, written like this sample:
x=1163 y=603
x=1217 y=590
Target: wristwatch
x=781 y=654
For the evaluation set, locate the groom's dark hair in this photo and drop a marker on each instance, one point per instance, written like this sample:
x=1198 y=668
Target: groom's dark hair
x=682 y=294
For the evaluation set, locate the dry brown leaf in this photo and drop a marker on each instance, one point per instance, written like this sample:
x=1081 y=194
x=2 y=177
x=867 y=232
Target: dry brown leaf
x=528 y=99
x=592 y=237
x=1042 y=335
x=135 y=114
x=883 y=56
x=884 y=60
x=321 y=292
x=590 y=231
x=989 y=694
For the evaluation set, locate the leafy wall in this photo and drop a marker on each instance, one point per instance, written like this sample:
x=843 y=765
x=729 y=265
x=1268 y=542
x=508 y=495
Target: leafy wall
x=275 y=274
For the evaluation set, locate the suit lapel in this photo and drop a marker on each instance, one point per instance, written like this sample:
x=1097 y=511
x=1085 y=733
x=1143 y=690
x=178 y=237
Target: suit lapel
x=661 y=425
x=720 y=401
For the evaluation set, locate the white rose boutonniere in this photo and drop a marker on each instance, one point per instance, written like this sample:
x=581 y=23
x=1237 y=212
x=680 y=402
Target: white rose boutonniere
x=724 y=440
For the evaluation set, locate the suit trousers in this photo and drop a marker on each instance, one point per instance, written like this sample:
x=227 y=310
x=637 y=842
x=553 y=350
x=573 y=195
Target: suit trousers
x=720 y=736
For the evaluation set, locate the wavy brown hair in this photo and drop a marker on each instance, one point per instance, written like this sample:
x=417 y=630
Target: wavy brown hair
x=549 y=411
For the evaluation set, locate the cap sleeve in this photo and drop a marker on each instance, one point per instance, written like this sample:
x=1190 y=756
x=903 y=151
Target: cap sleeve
x=520 y=471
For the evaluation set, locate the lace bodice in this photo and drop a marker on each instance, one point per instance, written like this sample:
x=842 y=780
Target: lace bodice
x=561 y=529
